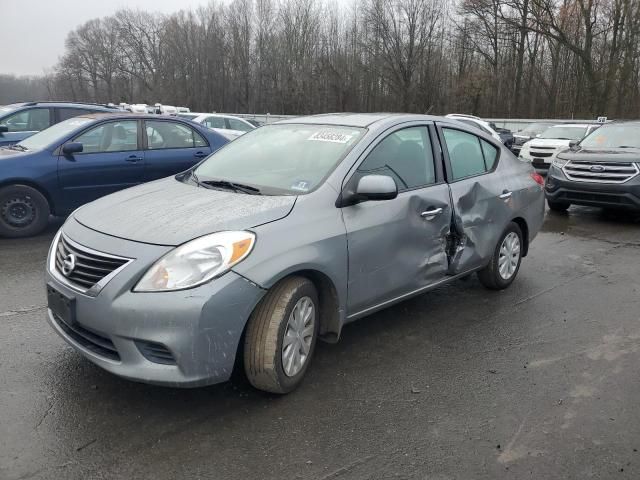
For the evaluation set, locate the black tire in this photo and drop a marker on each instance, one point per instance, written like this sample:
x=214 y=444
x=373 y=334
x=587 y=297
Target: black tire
x=263 y=363
x=490 y=276
x=24 y=211
x=558 y=206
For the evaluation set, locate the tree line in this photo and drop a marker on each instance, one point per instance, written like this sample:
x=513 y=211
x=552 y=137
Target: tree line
x=494 y=58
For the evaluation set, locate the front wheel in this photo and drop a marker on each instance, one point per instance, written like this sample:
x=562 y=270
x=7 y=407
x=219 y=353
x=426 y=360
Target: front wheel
x=24 y=211
x=505 y=262
x=281 y=336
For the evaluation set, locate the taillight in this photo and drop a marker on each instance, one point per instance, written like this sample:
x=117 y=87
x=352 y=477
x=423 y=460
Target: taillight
x=539 y=179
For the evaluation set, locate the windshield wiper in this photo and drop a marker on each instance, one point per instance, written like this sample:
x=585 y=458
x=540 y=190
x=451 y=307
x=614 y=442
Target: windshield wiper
x=18 y=147
x=238 y=187
x=627 y=146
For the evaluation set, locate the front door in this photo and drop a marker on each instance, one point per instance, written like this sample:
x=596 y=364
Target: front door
x=110 y=161
x=397 y=247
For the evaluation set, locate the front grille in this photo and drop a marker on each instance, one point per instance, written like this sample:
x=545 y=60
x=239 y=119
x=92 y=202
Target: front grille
x=90 y=267
x=600 y=172
x=597 y=198
x=90 y=340
x=155 y=352
x=540 y=154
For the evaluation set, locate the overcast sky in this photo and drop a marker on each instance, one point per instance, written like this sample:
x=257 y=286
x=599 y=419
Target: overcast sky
x=32 y=32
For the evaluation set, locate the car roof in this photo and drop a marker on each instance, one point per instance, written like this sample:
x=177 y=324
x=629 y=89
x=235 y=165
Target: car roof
x=51 y=103
x=361 y=120
x=574 y=125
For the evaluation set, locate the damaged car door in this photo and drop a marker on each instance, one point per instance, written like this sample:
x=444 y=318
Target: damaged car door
x=397 y=247
x=480 y=197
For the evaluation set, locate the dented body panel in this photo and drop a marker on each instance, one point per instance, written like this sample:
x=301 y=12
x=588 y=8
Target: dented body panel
x=362 y=257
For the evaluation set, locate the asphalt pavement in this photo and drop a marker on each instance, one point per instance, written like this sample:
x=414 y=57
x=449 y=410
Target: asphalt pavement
x=539 y=381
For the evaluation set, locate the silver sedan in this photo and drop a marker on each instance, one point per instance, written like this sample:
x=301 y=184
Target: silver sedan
x=280 y=239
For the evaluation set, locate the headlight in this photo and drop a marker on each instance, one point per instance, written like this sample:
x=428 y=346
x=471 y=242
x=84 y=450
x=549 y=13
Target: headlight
x=559 y=162
x=196 y=262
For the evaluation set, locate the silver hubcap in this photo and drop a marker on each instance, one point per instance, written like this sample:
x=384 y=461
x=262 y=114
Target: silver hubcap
x=509 y=256
x=298 y=336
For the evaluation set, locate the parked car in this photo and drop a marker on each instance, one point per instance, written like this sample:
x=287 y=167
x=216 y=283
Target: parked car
x=530 y=132
x=603 y=170
x=21 y=120
x=542 y=151
x=234 y=126
x=83 y=158
x=250 y=253
x=476 y=122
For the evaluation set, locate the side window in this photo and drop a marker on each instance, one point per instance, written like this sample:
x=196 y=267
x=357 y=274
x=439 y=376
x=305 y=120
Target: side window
x=465 y=153
x=406 y=156
x=490 y=154
x=198 y=141
x=235 y=124
x=110 y=137
x=164 y=134
x=215 y=122
x=67 y=113
x=34 y=119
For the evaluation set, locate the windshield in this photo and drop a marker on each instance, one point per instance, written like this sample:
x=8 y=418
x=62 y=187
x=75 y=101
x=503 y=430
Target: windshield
x=614 y=136
x=46 y=137
x=534 y=129
x=564 y=133
x=289 y=159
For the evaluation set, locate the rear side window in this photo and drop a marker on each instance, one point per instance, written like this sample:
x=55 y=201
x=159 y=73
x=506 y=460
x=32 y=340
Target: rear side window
x=163 y=134
x=235 y=124
x=468 y=154
x=215 y=122
x=67 y=113
x=406 y=156
x=31 y=120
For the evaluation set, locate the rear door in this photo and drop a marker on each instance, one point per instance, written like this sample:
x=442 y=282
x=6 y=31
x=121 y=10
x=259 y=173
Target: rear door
x=171 y=147
x=481 y=197
x=397 y=247
x=112 y=159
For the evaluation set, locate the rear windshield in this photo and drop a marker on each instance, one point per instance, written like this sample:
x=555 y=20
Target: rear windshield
x=614 y=136
x=564 y=133
x=288 y=159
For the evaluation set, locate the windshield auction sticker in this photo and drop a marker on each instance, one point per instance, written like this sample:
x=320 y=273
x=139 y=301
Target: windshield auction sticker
x=330 y=136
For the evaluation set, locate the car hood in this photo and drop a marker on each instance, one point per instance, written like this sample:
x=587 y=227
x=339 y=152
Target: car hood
x=548 y=142
x=622 y=155
x=6 y=153
x=169 y=212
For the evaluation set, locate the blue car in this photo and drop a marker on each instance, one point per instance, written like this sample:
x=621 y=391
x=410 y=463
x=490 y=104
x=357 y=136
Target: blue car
x=89 y=156
x=21 y=120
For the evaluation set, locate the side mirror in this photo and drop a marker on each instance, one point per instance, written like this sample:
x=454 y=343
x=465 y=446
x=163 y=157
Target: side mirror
x=4 y=129
x=573 y=144
x=72 y=147
x=376 y=187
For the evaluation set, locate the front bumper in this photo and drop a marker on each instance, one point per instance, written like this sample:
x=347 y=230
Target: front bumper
x=199 y=329
x=558 y=188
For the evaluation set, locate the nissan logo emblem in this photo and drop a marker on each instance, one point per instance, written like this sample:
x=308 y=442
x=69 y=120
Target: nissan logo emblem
x=68 y=264
x=597 y=168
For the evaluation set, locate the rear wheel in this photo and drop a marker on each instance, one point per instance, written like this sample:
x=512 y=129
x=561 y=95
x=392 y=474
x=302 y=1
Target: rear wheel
x=281 y=336
x=505 y=263
x=24 y=211
x=558 y=206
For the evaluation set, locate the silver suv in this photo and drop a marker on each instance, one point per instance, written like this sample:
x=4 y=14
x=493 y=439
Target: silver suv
x=282 y=237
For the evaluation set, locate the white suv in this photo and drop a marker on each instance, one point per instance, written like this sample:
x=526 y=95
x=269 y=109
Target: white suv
x=543 y=150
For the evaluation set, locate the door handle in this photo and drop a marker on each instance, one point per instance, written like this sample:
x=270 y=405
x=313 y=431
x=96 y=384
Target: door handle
x=431 y=214
x=506 y=195
x=199 y=154
x=134 y=159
